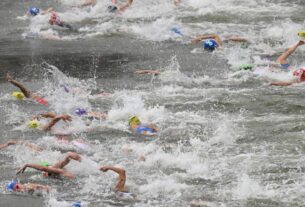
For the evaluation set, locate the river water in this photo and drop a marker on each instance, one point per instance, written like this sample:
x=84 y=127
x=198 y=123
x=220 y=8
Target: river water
x=227 y=138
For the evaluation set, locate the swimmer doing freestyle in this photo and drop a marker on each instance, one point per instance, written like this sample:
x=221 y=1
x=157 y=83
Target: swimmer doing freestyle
x=28 y=187
x=25 y=92
x=56 y=170
x=299 y=74
x=35 y=123
x=213 y=41
x=120 y=190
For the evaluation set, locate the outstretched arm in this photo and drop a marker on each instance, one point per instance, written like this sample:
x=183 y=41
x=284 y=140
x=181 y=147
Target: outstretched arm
x=236 y=39
x=283 y=58
x=126 y=5
x=64 y=117
x=71 y=155
x=155 y=72
x=24 y=90
x=47 y=11
x=34 y=186
x=48 y=115
x=89 y=3
x=2 y=146
x=209 y=36
x=120 y=186
x=281 y=83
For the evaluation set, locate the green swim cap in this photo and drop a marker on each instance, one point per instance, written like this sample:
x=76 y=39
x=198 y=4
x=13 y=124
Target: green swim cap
x=45 y=164
x=246 y=67
x=134 y=120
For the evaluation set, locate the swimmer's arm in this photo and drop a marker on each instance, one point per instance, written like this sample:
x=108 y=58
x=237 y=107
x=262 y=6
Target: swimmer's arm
x=19 y=85
x=33 y=186
x=64 y=117
x=2 y=146
x=210 y=36
x=176 y=2
x=48 y=115
x=282 y=59
x=47 y=11
x=281 y=83
x=155 y=72
x=41 y=168
x=114 y=1
x=122 y=176
x=237 y=39
x=89 y=3
x=71 y=155
x=125 y=6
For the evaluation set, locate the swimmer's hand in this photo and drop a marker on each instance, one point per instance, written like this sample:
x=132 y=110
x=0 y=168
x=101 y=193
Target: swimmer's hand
x=65 y=117
x=196 y=40
x=22 y=169
x=104 y=169
x=301 y=42
x=12 y=142
x=74 y=156
x=8 y=77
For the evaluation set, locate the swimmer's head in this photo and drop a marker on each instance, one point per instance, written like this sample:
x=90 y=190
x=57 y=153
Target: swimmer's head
x=18 y=95
x=80 y=111
x=300 y=73
x=210 y=45
x=12 y=186
x=77 y=204
x=54 y=20
x=33 y=11
x=246 y=67
x=112 y=8
x=134 y=120
x=33 y=124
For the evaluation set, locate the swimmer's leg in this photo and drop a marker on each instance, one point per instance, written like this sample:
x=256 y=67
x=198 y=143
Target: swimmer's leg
x=24 y=90
x=71 y=155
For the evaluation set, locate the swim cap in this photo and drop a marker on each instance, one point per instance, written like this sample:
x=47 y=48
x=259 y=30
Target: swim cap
x=245 y=66
x=210 y=45
x=80 y=111
x=11 y=185
x=33 y=124
x=176 y=31
x=45 y=164
x=18 y=95
x=33 y=11
x=42 y=101
x=77 y=204
x=112 y=8
x=134 y=120
x=300 y=73
x=301 y=34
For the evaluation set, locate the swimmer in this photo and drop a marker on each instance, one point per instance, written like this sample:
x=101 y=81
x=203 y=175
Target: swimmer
x=78 y=143
x=115 y=7
x=34 y=123
x=153 y=72
x=145 y=129
x=29 y=145
x=25 y=92
x=34 y=11
x=89 y=3
x=29 y=187
x=120 y=190
x=55 y=20
x=299 y=76
x=282 y=59
x=213 y=41
x=90 y=114
x=54 y=170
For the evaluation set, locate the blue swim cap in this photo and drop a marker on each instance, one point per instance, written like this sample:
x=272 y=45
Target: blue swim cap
x=80 y=111
x=176 y=31
x=34 y=11
x=77 y=204
x=210 y=45
x=11 y=185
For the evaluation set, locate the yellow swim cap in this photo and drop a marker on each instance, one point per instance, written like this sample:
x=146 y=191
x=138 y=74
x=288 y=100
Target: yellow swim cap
x=33 y=124
x=134 y=120
x=301 y=34
x=18 y=95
